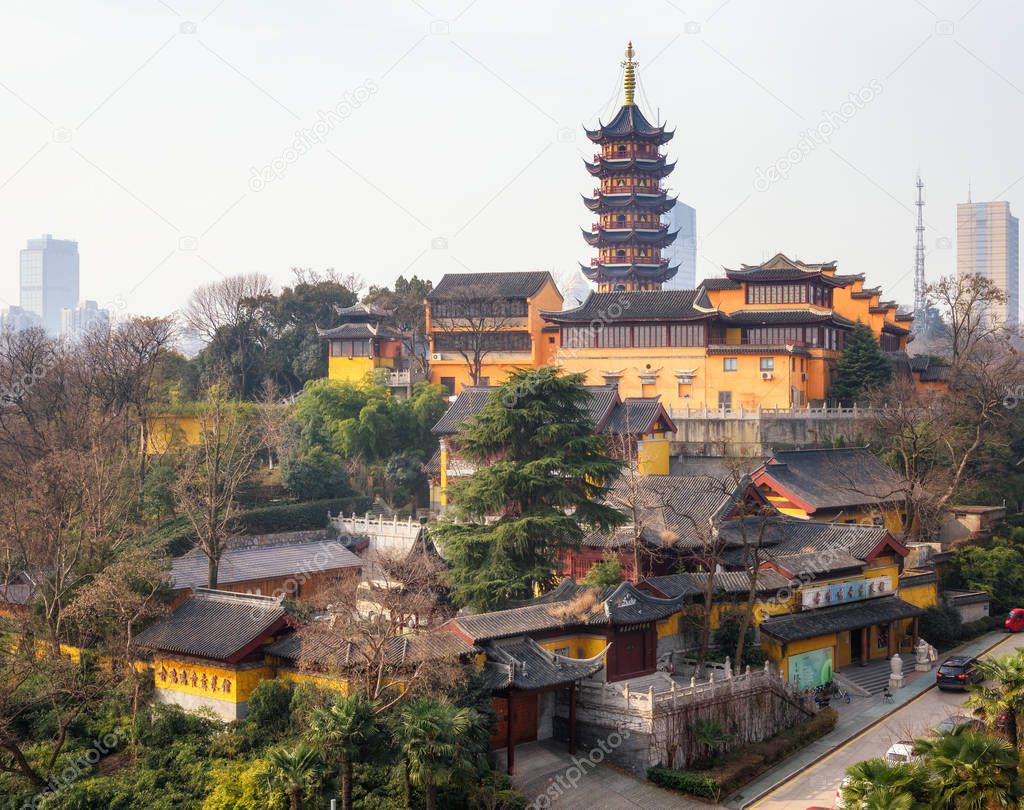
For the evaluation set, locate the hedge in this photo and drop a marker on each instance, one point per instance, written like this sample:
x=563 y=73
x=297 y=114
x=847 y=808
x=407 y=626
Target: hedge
x=177 y=537
x=696 y=784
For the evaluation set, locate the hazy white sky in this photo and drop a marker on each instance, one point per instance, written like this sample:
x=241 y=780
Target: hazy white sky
x=449 y=134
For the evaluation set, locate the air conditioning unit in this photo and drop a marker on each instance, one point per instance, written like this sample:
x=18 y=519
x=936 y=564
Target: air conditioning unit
x=435 y=356
x=766 y=375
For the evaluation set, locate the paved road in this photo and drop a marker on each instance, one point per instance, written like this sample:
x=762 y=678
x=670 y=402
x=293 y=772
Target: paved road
x=816 y=787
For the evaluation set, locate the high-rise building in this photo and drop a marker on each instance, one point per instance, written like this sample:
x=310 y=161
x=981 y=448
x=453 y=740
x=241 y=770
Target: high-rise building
x=49 y=279
x=18 y=319
x=683 y=252
x=629 y=234
x=988 y=244
x=76 y=322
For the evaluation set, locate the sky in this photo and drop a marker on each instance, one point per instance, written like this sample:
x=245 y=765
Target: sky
x=180 y=141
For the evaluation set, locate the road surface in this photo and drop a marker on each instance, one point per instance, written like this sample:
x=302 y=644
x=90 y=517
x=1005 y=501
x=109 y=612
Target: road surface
x=816 y=787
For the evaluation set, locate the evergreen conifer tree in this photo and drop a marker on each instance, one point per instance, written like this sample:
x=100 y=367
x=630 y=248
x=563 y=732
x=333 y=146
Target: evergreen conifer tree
x=862 y=367
x=542 y=473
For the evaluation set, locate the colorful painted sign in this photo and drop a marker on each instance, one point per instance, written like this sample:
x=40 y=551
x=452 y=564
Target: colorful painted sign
x=810 y=669
x=839 y=593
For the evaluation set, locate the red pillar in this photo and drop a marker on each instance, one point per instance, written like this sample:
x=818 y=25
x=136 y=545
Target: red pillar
x=865 y=639
x=892 y=638
x=917 y=630
x=572 y=717
x=510 y=748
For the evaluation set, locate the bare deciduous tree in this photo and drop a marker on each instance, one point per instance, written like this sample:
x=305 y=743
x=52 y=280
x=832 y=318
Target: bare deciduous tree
x=212 y=471
x=474 y=323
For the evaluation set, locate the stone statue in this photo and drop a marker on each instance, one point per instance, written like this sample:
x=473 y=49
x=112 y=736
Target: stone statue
x=895 y=673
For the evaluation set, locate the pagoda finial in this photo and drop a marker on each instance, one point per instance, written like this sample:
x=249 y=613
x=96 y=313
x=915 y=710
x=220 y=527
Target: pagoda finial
x=629 y=82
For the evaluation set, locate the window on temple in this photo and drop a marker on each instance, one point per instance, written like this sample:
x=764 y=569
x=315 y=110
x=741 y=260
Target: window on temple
x=686 y=334
x=889 y=343
x=776 y=335
x=649 y=336
x=497 y=341
x=641 y=336
x=725 y=400
x=350 y=348
x=821 y=296
x=448 y=383
x=729 y=364
x=480 y=307
x=776 y=293
x=767 y=364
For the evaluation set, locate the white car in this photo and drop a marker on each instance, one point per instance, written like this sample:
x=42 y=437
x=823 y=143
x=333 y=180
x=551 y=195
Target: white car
x=901 y=752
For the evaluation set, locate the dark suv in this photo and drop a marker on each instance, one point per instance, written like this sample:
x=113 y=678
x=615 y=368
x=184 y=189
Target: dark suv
x=958 y=672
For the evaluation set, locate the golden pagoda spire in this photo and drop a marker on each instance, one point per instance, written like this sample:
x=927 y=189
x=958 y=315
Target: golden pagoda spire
x=629 y=82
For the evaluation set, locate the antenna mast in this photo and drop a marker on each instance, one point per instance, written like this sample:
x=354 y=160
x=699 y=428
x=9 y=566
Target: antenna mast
x=920 y=293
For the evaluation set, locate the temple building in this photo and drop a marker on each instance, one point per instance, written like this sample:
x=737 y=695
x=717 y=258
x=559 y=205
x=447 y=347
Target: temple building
x=629 y=201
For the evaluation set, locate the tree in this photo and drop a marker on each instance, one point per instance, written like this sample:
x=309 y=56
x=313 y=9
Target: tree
x=541 y=480
x=965 y=303
x=971 y=771
x=605 y=573
x=440 y=744
x=878 y=784
x=232 y=315
x=212 y=472
x=1003 y=701
x=293 y=771
x=346 y=731
x=406 y=303
x=125 y=361
x=862 y=367
x=472 y=322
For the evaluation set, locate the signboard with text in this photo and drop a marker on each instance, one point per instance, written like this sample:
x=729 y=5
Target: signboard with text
x=839 y=593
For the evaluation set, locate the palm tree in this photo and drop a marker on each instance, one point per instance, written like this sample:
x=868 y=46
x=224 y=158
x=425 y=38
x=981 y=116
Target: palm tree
x=345 y=731
x=293 y=771
x=440 y=743
x=1002 y=703
x=971 y=771
x=876 y=783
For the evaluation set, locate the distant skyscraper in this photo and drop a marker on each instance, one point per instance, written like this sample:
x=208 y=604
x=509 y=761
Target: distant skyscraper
x=17 y=319
x=49 y=279
x=988 y=244
x=684 y=250
x=76 y=322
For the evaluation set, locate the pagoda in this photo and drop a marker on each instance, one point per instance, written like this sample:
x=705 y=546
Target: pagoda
x=629 y=234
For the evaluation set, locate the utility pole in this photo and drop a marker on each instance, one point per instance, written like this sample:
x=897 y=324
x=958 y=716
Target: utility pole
x=920 y=285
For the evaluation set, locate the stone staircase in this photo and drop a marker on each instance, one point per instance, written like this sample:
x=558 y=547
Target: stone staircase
x=869 y=680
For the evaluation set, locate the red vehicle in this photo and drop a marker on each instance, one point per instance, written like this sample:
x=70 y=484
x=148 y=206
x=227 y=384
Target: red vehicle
x=1015 y=620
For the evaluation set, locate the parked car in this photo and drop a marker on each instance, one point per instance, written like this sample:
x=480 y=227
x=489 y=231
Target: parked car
x=1015 y=620
x=901 y=752
x=958 y=672
x=964 y=721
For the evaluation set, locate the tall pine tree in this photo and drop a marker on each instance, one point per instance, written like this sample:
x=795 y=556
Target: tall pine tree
x=862 y=367
x=541 y=478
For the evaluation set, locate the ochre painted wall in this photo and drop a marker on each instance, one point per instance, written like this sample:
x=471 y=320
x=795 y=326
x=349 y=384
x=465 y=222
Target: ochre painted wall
x=241 y=680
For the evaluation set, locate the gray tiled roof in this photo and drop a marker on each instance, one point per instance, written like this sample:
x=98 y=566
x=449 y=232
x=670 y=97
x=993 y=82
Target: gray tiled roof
x=629 y=121
x=623 y=605
x=635 y=415
x=262 y=562
x=824 y=621
x=783 y=535
x=524 y=664
x=728 y=582
x=498 y=285
x=213 y=624
x=720 y=284
x=815 y=563
x=626 y=307
x=833 y=478
x=413 y=648
x=600 y=403
x=672 y=508
x=761 y=317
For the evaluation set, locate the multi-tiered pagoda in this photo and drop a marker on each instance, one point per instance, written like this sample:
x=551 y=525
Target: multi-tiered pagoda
x=629 y=234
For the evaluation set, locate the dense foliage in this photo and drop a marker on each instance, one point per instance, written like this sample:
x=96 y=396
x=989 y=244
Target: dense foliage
x=862 y=367
x=542 y=472
x=996 y=567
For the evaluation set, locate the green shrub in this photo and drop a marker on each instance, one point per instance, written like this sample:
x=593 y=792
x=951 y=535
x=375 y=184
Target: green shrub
x=941 y=626
x=696 y=784
x=269 y=708
x=315 y=475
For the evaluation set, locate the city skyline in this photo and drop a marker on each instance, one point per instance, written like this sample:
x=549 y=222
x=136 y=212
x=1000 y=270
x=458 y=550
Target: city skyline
x=204 y=156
